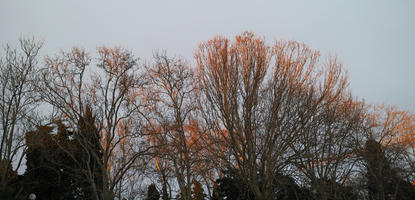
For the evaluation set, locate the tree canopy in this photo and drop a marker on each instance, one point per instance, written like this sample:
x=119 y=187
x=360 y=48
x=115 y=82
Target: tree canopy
x=250 y=120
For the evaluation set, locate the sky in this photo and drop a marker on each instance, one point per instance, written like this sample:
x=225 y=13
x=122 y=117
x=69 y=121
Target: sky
x=374 y=39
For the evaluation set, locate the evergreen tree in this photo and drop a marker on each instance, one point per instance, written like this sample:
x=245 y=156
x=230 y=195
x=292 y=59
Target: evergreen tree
x=165 y=194
x=89 y=155
x=49 y=169
x=152 y=193
x=377 y=169
x=383 y=182
x=57 y=164
x=232 y=188
x=285 y=188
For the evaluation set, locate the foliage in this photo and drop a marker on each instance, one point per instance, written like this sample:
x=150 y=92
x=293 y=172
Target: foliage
x=49 y=169
x=57 y=163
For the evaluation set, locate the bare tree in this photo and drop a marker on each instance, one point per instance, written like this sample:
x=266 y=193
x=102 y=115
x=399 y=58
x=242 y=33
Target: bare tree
x=170 y=97
x=389 y=153
x=232 y=79
x=69 y=86
x=18 y=101
x=330 y=152
x=261 y=112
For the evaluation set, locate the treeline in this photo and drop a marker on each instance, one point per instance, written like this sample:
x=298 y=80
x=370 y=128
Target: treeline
x=249 y=121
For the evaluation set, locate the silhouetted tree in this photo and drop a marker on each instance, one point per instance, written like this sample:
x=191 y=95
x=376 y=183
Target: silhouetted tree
x=285 y=188
x=232 y=187
x=267 y=122
x=18 y=70
x=110 y=89
x=261 y=102
x=383 y=181
x=64 y=165
x=226 y=188
x=152 y=193
x=170 y=107
x=13 y=187
x=88 y=155
x=49 y=168
x=331 y=190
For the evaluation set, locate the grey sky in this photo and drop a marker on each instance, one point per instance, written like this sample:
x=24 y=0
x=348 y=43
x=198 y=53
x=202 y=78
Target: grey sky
x=373 y=38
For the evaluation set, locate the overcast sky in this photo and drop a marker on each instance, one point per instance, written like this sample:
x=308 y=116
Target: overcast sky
x=374 y=39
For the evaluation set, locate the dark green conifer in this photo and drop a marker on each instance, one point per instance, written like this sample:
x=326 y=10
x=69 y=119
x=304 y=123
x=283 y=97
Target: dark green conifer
x=152 y=193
